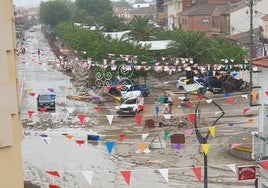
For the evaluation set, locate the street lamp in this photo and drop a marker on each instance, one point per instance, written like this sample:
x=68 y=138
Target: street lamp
x=109 y=37
x=203 y=139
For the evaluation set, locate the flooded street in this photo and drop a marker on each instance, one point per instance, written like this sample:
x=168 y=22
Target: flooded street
x=57 y=141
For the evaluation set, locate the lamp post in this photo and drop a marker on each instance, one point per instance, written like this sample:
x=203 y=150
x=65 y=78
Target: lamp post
x=203 y=139
x=109 y=37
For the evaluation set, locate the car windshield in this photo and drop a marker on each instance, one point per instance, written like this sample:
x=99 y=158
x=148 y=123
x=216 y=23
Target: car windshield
x=131 y=101
x=45 y=97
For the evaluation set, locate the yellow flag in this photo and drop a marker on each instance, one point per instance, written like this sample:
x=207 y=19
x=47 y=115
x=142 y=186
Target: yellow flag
x=69 y=136
x=142 y=147
x=118 y=98
x=205 y=148
x=212 y=130
x=250 y=120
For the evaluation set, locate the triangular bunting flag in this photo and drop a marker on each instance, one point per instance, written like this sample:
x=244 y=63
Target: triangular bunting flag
x=81 y=117
x=142 y=147
x=45 y=138
x=197 y=172
x=164 y=173
x=205 y=148
x=209 y=101
x=166 y=134
x=42 y=109
x=189 y=131
x=231 y=124
x=126 y=175
x=97 y=109
x=53 y=173
x=250 y=120
x=50 y=90
x=32 y=94
x=88 y=175
x=212 y=130
x=176 y=146
x=234 y=145
x=138 y=118
x=143 y=136
x=80 y=142
x=30 y=113
x=245 y=96
x=254 y=95
x=266 y=93
x=53 y=186
x=110 y=118
x=191 y=118
x=70 y=110
x=69 y=136
x=230 y=100
x=121 y=137
x=110 y=146
x=264 y=164
x=245 y=110
x=232 y=167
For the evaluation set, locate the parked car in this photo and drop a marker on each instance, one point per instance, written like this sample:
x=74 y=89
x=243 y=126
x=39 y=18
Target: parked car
x=46 y=101
x=183 y=81
x=130 y=106
x=130 y=94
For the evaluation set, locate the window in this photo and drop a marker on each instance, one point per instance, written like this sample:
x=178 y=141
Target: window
x=205 y=21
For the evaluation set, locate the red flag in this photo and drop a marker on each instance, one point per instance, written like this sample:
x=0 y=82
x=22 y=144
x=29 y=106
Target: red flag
x=141 y=107
x=245 y=110
x=264 y=164
x=42 y=109
x=189 y=104
x=126 y=175
x=30 y=113
x=191 y=118
x=80 y=142
x=53 y=186
x=266 y=92
x=53 y=173
x=97 y=108
x=230 y=100
x=121 y=137
x=32 y=94
x=138 y=119
x=197 y=172
x=81 y=117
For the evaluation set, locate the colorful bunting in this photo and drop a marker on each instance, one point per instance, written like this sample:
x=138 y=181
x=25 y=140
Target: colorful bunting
x=254 y=95
x=232 y=167
x=205 y=148
x=250 y=120
x=231 y=124
x=121 y=137
x=110 y=118
x=197 y=172
x=189 y=131
x=53 y=186
x=32 y=94
x=176 y=146
x=97 y=109
x=266 y=92
x=230 y=100
x=234 y=145
x=69 y=136
x=264 y=164
x=166 y=134
x=53 y=173
x=142 y=147
x=81 y=117
x=245 y=96
x=164 y=173
x=209 y=101
x=191 y=118
x=88 y=175
x=42 y=109
x=126 y=175
x=50 y=90
x=138 y=118
x=212 y=130
x=30 y=113
x=80 y=142
x=70 y=110
x=143 y=136
x=110 y=146
x=245 y=110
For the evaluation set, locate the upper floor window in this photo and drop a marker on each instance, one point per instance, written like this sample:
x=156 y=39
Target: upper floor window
x=205 y=21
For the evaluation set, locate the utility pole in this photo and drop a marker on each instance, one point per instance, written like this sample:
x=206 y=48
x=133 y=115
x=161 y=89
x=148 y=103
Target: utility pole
x=251 y=4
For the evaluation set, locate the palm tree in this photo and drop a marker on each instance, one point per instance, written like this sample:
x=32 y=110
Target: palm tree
x=140 y=29
x=193 y=44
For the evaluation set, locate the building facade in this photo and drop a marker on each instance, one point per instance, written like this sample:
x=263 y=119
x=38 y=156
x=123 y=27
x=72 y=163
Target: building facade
x=10 y=128
x=260 y=146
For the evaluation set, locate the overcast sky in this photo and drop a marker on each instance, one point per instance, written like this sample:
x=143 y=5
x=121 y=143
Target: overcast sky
x=27 y=3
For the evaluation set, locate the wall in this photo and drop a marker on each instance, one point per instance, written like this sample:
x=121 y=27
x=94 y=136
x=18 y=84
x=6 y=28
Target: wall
x=10 y=128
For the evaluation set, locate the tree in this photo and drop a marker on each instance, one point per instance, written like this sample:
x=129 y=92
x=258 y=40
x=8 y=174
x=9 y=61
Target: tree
x=140 y=29
x=94 y=8
x=110 y=23
x=193 y=44
x=54 y=12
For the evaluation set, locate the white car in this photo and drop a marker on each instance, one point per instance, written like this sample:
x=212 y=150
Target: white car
x=182 y=83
